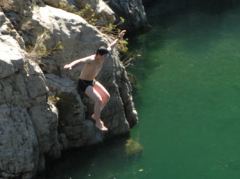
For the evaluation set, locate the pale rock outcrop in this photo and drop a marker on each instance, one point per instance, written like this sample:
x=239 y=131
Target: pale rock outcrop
x=80 y=39
x=104 y=13
x=6 y=28
x=20 y=6
x=19 y=12
x=19 y=152
x=72 y=32
x=17 y=9
x=28 y=124
x=32 y=124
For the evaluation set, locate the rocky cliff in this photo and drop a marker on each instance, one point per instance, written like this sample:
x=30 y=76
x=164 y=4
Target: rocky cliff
x=41 y=113
x=132 y=11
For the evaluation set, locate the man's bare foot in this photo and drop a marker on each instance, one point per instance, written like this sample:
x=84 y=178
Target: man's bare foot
x=99 y=124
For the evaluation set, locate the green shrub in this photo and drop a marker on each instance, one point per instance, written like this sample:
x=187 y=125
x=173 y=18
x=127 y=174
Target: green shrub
x=41 y=50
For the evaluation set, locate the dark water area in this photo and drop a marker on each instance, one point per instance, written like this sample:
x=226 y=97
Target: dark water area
x=188 y=99
x=163 y=8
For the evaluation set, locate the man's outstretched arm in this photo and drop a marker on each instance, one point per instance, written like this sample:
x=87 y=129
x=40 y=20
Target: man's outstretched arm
x=81 y=60
x=120 y=36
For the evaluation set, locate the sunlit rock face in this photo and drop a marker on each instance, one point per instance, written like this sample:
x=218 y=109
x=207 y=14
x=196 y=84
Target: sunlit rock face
x=41 y=112
x=20 y=6
x=80 y=39
x=104 y=13
x=28 y=123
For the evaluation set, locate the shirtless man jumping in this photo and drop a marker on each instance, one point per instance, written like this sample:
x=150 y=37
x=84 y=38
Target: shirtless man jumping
x=87 y=83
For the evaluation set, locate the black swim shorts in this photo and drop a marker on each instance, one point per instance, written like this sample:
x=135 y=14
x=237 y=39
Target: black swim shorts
x=83 y=84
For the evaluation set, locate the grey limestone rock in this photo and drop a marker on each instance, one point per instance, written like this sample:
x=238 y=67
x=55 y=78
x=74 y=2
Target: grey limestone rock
x=74 y=127
x=42 y=114
x=132 y=11
x=19 y=146
x=80 y=39
x=28 y=123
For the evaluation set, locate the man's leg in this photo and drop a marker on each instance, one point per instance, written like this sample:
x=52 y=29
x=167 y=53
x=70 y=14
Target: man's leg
x=103 y=93
x=98 y=103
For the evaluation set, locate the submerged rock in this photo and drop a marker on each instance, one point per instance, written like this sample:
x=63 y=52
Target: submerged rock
x=133 y=148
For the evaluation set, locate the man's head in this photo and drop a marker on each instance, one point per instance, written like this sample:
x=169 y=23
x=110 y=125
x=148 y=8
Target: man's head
x=102 y=51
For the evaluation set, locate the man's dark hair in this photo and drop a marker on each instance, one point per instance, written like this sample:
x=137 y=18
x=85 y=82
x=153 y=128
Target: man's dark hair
x=102 y=51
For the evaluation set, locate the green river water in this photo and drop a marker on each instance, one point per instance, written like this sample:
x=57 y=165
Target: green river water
x=188 y=99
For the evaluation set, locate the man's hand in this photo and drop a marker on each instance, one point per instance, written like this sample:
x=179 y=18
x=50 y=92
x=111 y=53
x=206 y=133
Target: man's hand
x=121 y=34
x=120 y=37
x=68 y=66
